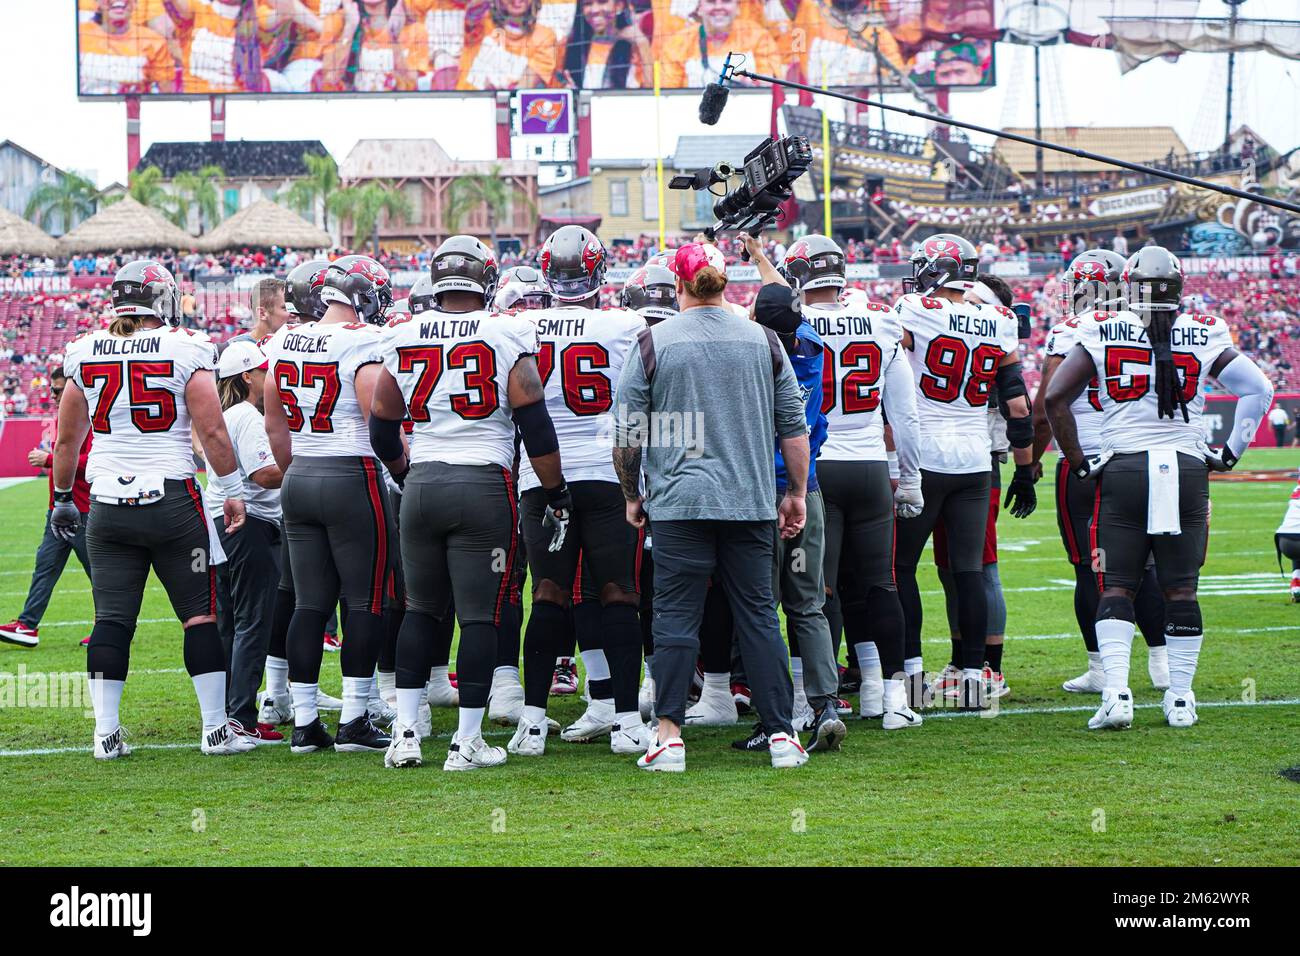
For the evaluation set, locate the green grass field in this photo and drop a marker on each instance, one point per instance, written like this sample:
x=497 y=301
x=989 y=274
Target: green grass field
x=1032 y=786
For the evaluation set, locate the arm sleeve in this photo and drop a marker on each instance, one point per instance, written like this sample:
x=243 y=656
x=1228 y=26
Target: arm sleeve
x=788 y=406
x=900 y=407
x=1254 y=394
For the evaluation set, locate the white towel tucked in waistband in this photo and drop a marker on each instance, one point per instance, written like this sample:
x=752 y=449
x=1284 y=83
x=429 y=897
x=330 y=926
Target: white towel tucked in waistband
x=216 y=553
x=1162 y=492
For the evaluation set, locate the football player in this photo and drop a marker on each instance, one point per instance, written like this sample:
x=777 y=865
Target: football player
x=334 y=499
x=651 y=293
x=521 y=288
x=1287 y=540
x=140 y=385
x=864 y=377
x=467 y=379
x=302 y=291
x=1092 y=282
x=1152 y=363
x=581 y=353
x=959 y=352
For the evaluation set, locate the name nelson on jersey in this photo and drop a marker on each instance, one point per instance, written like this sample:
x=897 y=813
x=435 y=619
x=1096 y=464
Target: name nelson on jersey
x=979 y=325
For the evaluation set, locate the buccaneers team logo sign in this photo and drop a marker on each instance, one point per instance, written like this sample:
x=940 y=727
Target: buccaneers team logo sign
x=545 y=113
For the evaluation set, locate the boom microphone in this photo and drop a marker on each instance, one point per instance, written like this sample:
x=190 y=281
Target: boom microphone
x=714 y=100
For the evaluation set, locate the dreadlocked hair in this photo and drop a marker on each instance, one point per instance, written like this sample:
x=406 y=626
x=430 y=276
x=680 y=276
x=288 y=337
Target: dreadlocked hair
x=1169 y=391
x=232 y=390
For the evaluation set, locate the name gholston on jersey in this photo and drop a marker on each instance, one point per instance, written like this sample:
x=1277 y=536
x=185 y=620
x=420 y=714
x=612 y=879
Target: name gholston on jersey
x=831 y=325
x=126 y=346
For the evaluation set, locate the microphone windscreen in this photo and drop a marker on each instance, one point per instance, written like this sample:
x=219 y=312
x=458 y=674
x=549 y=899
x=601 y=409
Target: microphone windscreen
x=712 y=103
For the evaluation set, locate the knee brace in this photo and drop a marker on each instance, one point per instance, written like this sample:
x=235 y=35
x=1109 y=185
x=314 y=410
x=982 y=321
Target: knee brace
x=109 y=652
x=203 y=652
x=1116 y=608
x=1183 y=619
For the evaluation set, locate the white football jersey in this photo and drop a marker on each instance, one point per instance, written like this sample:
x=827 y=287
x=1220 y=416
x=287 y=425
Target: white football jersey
x=135 y=390
x=315 y=366
x=1291 y=520
x=454 y=371
x=861 y=341
x=1121 y=353
x=1087 y=407
x=956 y=350
x=580 y=355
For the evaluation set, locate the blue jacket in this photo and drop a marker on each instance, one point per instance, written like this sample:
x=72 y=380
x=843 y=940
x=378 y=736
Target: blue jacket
x=807 y=361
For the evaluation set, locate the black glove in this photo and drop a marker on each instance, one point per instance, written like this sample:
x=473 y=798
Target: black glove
x=399 y=477
x=1021 y=497
x=1223 y=461
x=65 y=519
x=559 y=512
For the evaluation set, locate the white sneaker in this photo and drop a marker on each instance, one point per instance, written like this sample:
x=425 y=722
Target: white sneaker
x=472 y=753
x=439 y=692
x=404 y=748
x=596 y=721
x=276 y=711
x=715 y=708
x=325 y=701
x=802 y=717
x=629 y=738
x=423 y=721
x=506 y=698
x=1089 y=682
x=668 y=757
x=871 y=696
x=1158 y=667
x=380 y=711
x=786 y=750
x=222 y=742
x=897 y=714
x=645 y=697
x=1180 y=709
x=529 y=739
x=1115 y=712
x=111 y=746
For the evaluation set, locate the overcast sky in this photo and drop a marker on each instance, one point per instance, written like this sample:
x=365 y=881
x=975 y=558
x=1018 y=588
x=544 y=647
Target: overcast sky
x=1081 y=87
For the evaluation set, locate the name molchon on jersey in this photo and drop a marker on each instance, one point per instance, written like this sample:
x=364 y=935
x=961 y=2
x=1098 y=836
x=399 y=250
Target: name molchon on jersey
x=129 y=346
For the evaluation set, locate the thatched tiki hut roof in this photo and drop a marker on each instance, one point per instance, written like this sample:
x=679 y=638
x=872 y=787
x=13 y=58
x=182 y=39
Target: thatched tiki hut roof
x=125 y=225
x=265 y=224
x=18 y=237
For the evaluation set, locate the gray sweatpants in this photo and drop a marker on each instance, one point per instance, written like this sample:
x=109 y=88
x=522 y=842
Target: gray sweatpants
x=246 y=586
x=51 y=557
x=798 y=579
x=739 y=553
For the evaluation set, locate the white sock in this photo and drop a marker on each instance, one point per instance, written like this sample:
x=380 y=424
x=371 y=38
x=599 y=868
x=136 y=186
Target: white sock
x=409 y=700
x=868 y=655
x=277 y=677
x=471 y=722
x=1184 y=650
x=507 y=675
x=912 y=665
x=972 y=673
x=106 y=698
x=631 y=718
x=719 y=683
x=796 y=670
x=304 y=703
x=1115 y=644
x=211 y=689
x=595 y=664
x=438 y=675
x=534 y=715
x=1094 y=663
x=387 y=684
x=356 y=694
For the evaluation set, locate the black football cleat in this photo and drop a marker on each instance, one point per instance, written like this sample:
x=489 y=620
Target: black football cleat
x=311 y=738
x=359 y=735
x=756 y=742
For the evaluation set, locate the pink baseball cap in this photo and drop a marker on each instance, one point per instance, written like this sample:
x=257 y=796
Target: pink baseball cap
x=694 y=256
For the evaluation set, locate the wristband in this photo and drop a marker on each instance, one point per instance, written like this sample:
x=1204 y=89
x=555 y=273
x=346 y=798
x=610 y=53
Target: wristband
x=558 y=493
x=230 y=486
x=63 y=496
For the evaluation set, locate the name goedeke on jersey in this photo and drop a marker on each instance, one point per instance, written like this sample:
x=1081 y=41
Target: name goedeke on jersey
x=127 y=346
x=1178 y=338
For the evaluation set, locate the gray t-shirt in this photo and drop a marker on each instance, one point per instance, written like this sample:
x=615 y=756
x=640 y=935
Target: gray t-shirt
x=707 y=418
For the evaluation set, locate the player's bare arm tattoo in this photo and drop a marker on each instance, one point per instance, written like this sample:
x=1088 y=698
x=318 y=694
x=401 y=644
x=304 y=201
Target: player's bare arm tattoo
x=627 y=464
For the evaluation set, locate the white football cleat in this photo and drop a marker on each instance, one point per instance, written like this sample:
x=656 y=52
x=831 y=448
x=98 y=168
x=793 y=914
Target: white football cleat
x=423 y=721
x=596 y=721
x=380 y=711
x=222 y=742
x=645 y=697
x=715 y=708
x=1089 y=682
x=276 y=711
x=325 y=701
x=871 y=696
x=439 y=691
x=472 y=753
x=506 y=698
x=629 y=738
x=1180 y=709
x=529 y=739
x=1158 y=667
x=404 y=749
x=1115 y=712
x=896 y=713
x=667 y=757
x=111 y=746
x=802 y=718
x=786 y=750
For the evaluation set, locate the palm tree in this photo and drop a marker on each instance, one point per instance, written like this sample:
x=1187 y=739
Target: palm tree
x=488 y=189
x=311 y=194
x=199 y=190
x=364 y=204
x=145 y=186
x=71 y=196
